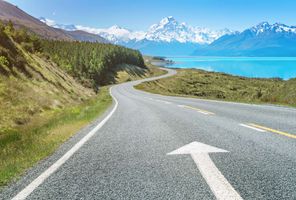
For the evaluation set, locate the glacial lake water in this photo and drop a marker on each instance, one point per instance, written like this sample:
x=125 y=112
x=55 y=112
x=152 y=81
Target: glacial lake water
x=259 y=67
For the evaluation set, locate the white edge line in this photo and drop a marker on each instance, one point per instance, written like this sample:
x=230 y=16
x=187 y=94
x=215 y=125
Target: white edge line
x=23 y=194
x=251 y=127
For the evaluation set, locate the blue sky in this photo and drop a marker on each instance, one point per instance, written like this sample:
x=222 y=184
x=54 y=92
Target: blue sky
x=140 y=14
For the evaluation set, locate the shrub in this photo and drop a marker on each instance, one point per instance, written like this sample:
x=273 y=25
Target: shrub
x=4 y=61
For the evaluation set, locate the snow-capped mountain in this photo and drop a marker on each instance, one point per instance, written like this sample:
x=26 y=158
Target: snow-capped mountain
x=167 y=30
x=263 y=39
x=170 y=37
x=52 y=23
x=265 y=27
x=115 y=34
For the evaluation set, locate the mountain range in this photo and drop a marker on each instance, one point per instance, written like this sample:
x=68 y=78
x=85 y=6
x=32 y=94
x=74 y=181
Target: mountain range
x=167 y=30
x=263 y=39
x=168 y=37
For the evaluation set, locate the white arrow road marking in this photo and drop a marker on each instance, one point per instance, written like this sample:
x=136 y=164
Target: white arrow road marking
x=54 y=167
x=214 y=178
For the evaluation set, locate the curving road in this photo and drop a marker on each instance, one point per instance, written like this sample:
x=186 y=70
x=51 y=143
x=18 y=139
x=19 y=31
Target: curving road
x=232 y=151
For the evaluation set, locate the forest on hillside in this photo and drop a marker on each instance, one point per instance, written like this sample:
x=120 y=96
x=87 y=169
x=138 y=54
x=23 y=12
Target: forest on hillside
x=87 y=62
x=90 y=61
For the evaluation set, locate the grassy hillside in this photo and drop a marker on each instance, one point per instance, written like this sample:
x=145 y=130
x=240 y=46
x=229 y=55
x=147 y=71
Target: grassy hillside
x=34 y=92
x=45 y=97
x=212 y=85
x=30 y=84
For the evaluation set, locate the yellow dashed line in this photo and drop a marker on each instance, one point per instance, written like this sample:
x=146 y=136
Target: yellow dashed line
x=199 y=110
x=274 y=131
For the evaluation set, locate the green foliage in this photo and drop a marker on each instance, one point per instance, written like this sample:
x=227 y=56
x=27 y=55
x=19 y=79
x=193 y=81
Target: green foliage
x=85 y=60
x=11 y=55
x=3 y=61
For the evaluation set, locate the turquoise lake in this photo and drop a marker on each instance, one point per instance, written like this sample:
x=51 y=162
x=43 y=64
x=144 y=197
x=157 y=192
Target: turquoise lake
x=259 y=67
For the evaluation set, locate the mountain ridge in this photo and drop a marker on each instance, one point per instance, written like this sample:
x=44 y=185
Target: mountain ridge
x=263 y=39
x=168 y=37
x=167 y=30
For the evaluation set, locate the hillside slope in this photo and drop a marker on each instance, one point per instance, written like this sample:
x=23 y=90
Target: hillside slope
x=27 y=77
x=21 y=19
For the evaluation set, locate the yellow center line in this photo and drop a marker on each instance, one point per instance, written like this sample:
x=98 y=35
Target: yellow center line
x=199 y=110
x=273 y=130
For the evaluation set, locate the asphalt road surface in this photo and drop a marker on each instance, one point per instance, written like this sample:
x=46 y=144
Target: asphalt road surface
x=149 y=146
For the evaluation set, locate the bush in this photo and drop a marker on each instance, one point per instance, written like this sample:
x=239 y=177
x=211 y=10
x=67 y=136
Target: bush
x=3 y=61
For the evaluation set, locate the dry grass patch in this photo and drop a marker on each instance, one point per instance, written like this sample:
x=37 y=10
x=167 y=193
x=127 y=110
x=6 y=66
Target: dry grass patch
x=212 y=85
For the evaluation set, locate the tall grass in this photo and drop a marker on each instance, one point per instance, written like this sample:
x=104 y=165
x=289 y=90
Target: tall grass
x=24 y=146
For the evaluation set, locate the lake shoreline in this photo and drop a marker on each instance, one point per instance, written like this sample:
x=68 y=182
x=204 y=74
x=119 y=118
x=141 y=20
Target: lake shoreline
x=251 y=67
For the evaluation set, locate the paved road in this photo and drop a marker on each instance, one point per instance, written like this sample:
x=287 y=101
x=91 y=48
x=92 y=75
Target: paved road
x=127 y=157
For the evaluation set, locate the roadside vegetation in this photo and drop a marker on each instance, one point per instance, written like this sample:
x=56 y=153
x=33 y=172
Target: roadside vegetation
x=220 y=86
x=23 y=146
x=51 y=89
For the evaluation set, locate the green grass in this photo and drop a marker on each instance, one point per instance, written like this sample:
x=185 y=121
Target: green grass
x=220 y=86
x=23 y=146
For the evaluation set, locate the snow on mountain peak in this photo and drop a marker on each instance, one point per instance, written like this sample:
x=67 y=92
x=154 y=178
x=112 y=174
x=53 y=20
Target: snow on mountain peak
x=52 y=23
x=264 y=27
x=167 y=30
x=167 y=20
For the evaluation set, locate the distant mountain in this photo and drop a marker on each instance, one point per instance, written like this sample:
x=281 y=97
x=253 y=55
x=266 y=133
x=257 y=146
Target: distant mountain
x=52 y=23
x=160 y=48
x=74 y=33
x=87 y=37
x=168 y=37
x=115 y=34
x=169 y=29
x=263 y=39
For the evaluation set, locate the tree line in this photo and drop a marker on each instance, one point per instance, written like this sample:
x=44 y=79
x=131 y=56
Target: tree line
x=90 y=61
